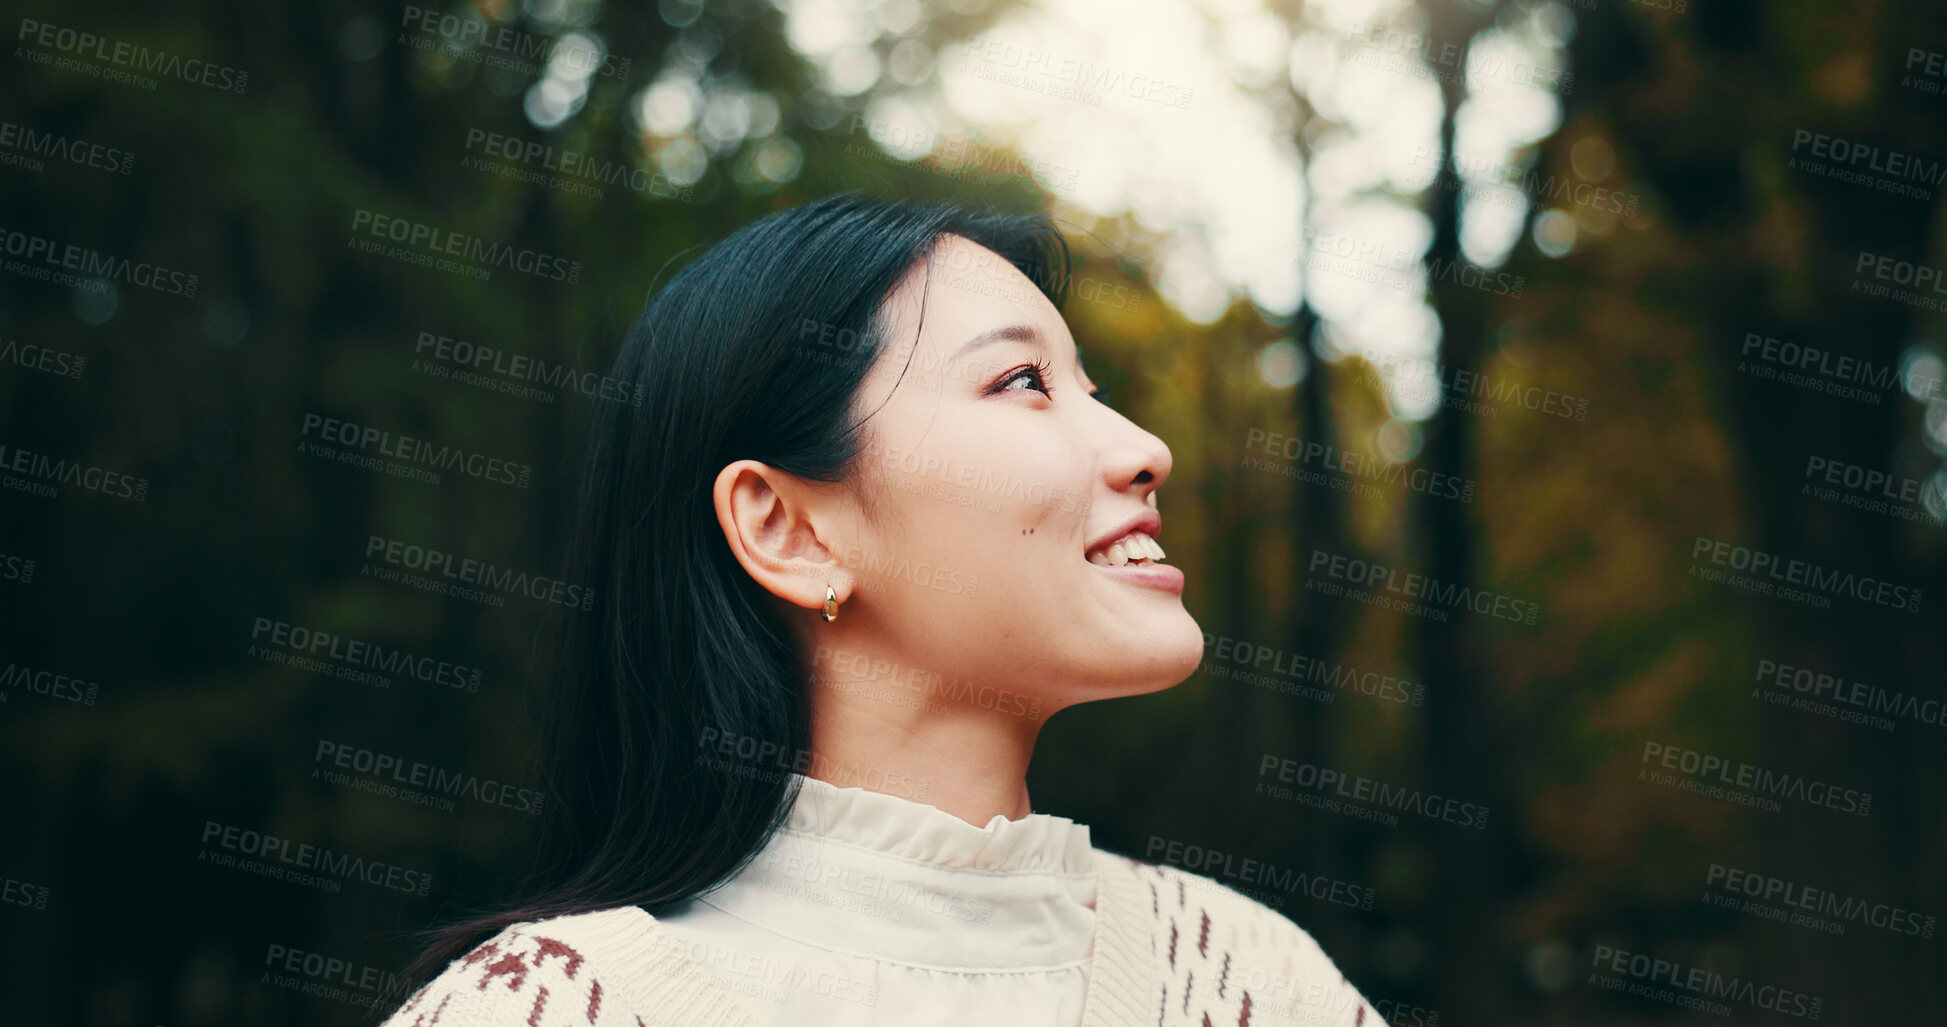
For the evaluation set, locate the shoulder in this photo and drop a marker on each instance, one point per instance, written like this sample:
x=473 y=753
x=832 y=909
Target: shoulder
x=1226 y=948
x=567 y=964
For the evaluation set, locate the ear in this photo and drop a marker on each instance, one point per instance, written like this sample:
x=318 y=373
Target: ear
x=774 y=522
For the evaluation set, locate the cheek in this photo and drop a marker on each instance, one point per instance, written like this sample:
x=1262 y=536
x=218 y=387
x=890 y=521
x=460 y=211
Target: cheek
x=1001 y=486
x=984 y=498
x=1057 y=505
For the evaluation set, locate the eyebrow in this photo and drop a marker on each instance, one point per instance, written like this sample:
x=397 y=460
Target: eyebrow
x=1011 y=333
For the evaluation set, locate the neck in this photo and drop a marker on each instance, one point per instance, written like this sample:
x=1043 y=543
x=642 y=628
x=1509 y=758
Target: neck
x=884 y=736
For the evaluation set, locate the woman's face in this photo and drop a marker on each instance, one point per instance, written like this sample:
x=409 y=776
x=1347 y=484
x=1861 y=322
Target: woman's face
x=992 y=480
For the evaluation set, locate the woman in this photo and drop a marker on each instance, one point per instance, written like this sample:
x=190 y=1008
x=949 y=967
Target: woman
x=868 y=528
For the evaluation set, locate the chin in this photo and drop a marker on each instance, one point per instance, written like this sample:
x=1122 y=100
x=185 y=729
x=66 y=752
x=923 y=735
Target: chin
x=1175 y=650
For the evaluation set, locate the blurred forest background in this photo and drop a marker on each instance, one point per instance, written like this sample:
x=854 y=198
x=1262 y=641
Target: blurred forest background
x=1631 y=202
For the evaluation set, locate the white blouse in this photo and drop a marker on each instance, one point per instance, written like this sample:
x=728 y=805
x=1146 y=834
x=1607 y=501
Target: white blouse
x=866 y=908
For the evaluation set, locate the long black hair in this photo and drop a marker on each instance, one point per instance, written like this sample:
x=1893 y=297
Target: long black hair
x=678 y=705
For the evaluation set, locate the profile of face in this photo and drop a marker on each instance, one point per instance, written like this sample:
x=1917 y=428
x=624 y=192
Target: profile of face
x=991 y=474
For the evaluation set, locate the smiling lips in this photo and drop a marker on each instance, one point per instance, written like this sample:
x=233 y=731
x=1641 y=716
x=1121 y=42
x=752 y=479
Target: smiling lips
x=1134 y=548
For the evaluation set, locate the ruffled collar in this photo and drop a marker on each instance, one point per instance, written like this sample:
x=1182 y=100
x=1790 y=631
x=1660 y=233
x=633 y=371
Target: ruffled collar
x=905 y=829
x=898 y=881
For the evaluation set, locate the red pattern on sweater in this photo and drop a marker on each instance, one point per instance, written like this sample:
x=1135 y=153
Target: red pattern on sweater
x=510 y=966
x=550 y=947
x=1236 y=936
x=1232 y=939
x=509 y=960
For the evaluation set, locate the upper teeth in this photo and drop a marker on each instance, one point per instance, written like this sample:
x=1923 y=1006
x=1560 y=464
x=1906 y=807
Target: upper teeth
x=1130 y=548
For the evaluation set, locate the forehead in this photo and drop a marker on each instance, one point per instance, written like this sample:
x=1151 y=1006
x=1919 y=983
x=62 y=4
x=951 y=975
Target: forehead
x=967 y=290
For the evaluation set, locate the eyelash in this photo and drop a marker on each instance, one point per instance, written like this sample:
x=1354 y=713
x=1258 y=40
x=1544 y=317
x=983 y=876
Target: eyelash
x=1042 y=370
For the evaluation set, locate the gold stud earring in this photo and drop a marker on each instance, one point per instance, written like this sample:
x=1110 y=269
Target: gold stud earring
x=831 y=604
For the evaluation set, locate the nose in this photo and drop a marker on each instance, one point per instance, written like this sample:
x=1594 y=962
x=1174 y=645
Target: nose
x=1133 y=459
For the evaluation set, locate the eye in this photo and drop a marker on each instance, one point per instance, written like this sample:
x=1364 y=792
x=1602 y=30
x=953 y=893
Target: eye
x=1038 y=373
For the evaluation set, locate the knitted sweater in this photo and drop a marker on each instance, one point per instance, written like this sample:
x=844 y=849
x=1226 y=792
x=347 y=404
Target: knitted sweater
x=1172 y=949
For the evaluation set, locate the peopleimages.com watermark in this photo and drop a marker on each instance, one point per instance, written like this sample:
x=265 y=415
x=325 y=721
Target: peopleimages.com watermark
x=1853 y=702
x=1788 y=578
x=497 y=370
x=402 y=456
x=1873 y=167
x=28 y=148
x=566 y=171
x=322 y=976
x=1821 y=370
x=828 y=343
x=312 y=866
x=368 y=663
x=924 y=574
x=429 y=245
x=49 y=260
x=25 y=894
x=1266 y=882
x=1394 y=267
x=998 y=280
x=1461 y=389
x=747 y=756
x=1744 y=784
x=471 y=38
x=1275 y=992
x=792 y=869
x=1107 y=293
x=1297 y=674
x=744 y=972
x=22 y=679
x=462 y=577
x=1832 y=480
x=964 y=483
x=1922 y=286
x=1065 y=77
x=1392 y=589
x=1693 y=987
x=38 y=474
x=59 y=363
x=952 y=157
x=1347 y=470
x=16 y=568
x=1325 y=1005
x=1673 y=6
x=1479 y=180
x=1358 y=796
x=117 y=61
x=882 y=680
x=396 y=777
x=1924 y=71
x=1404 y=52
x=1817 y=909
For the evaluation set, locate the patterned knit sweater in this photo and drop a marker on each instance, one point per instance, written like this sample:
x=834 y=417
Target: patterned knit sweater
x=1172 y=949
